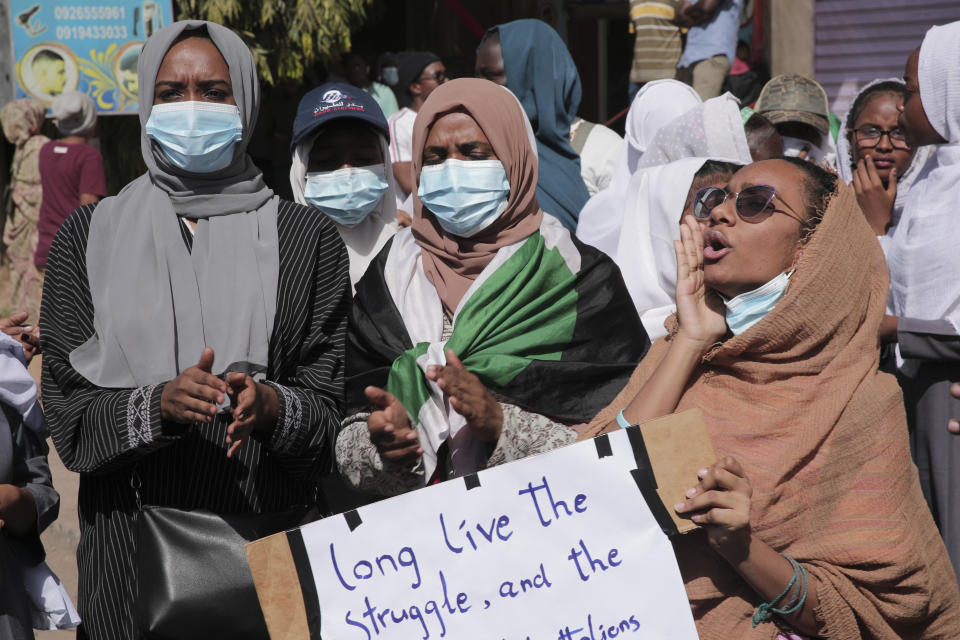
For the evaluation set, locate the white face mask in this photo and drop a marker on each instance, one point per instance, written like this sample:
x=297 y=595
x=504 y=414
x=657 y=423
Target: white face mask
x=747 y=309
x=466 y=196
x=793 y=147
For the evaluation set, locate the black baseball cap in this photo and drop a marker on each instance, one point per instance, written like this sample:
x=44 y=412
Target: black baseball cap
x=335 y=100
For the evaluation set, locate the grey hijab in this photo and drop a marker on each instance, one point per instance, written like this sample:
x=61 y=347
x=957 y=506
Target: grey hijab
x=156 y=304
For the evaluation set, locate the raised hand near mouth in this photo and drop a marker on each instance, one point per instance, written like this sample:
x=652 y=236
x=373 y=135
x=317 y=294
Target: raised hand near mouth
x=699 y=309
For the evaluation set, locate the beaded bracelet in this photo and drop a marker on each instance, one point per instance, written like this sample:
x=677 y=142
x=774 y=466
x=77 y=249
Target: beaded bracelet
x=767 y=609
x=622 y=421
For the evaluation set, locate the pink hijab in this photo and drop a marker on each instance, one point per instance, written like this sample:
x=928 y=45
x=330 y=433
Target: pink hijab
x=450 y=262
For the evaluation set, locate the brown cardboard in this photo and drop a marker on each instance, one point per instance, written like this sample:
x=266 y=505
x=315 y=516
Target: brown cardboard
x=678 y=446
x=278 y=587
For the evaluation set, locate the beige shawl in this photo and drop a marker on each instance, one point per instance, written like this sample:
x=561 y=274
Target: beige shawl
x=822 y=436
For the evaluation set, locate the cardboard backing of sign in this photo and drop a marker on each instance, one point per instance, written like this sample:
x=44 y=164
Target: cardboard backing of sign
x=668 y=452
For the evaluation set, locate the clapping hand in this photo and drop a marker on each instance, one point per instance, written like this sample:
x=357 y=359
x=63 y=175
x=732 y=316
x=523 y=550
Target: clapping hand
x=469 y=397
x=389 y=427
x=193 y=395
x=255 y=407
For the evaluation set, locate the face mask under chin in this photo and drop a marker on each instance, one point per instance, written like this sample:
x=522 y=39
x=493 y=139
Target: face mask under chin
x=747 y=309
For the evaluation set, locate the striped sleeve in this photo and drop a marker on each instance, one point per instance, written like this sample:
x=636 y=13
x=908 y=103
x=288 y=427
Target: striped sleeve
x=95 y=430
x=314 y=292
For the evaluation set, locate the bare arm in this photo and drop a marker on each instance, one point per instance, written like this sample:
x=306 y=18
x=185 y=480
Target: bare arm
x=702 y=324
x=89 y=198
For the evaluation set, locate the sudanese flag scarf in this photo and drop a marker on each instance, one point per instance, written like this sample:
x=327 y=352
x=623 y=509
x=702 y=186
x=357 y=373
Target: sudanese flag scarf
x=543 y=320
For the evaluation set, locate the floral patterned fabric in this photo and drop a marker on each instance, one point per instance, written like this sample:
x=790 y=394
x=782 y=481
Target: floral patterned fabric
x=21 y=287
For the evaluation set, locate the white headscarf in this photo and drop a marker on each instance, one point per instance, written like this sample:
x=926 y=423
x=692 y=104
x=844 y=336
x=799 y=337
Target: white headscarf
x=656 y=104
x=645 y=252
x=922 y=250
x=713 y=129
x=18 y=389
x=365 y=240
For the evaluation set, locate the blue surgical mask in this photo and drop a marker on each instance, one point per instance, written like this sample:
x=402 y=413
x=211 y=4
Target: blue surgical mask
x=747 y=309
x=390 y=76
x=198 y=137
x=466 y=196
x=346 y=195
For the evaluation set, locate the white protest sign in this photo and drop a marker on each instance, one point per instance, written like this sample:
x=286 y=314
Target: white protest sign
x=561 y=546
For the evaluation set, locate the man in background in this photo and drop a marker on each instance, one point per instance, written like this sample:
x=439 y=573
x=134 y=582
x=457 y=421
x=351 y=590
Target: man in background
x=657 y=45
x=420 y=72
x=711 y=44
x=357 y=70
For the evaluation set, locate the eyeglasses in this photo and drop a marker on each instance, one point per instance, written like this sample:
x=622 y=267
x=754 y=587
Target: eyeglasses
x=436 y=76
x=870 y=136
x=751 y=202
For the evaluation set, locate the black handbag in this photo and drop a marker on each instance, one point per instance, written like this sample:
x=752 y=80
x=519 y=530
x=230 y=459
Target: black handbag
x=193 y=580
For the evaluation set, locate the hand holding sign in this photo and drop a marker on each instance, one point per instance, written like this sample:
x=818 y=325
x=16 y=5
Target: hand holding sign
x=721 y=504
x=389 y=427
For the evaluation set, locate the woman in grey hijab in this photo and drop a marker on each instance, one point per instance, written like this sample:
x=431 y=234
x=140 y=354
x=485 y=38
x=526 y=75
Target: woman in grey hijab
x=193 y=325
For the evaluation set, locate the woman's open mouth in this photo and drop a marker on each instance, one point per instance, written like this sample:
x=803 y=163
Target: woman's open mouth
x=715 y=245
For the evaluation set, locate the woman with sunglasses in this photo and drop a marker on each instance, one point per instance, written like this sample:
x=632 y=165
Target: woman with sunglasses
x=874 y=155
x=812 y=519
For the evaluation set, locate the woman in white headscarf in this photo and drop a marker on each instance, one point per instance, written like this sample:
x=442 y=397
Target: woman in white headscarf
x=656 y=104
x=658 y=192
x=924 y=289
x=193 y=334
x=341 y=167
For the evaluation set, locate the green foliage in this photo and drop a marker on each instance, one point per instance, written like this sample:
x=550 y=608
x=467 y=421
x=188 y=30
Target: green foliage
x=285 y=36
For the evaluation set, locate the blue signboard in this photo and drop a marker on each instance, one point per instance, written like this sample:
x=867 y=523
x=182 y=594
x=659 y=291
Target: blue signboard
x=91 y=47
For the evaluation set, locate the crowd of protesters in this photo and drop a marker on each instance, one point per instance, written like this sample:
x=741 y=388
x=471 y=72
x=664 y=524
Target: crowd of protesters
x=468 y=273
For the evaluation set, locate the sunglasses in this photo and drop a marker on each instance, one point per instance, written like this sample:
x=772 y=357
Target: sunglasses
x=751 y=203
x=436 y=76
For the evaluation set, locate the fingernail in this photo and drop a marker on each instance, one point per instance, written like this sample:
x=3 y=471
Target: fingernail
x=411 y=436
x=691 y=492
x=678 y=506
x=702 y=472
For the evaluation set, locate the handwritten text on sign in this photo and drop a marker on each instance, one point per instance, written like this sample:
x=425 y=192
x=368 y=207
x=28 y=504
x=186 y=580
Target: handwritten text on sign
x=557 y=547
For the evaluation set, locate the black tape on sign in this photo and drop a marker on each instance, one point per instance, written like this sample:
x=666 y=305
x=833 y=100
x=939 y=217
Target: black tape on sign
x=308 y=589
x=472 y=481
x=353 y=519
x=640 y=454
x=602 y=442
x=647 y=481
x=654 y=502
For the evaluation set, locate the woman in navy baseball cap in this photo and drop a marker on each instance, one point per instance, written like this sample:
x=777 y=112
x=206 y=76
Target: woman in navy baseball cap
x=341 y=167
